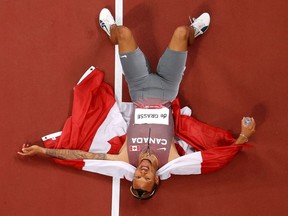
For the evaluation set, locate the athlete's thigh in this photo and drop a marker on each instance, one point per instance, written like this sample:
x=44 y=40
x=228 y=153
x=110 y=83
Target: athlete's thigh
x=135 y=65
x=171 y=69
x=171 y=65
x=137 y=70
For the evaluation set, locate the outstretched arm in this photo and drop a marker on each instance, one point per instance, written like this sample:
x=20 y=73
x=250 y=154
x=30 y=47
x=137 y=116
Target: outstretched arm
x=247 y=130
x=65 y=154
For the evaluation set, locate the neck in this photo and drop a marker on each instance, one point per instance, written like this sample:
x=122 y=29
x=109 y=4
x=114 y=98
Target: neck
x=151 y=158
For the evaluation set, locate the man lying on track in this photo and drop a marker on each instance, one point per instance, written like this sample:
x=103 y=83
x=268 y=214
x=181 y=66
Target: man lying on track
x=149 y=143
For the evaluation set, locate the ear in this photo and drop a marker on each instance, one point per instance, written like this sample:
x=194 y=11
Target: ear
x=157 y=180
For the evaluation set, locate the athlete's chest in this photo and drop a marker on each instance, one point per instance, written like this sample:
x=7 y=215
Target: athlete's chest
x=151 y=129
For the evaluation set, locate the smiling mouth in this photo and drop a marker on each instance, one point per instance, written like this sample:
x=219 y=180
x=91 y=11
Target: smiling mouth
x=146 y=159
x=145 y=168
x=145 y=164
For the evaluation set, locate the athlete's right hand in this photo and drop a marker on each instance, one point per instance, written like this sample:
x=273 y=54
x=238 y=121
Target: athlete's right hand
x=31 y=150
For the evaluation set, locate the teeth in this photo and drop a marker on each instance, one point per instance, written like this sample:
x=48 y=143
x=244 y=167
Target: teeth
x=144 y=168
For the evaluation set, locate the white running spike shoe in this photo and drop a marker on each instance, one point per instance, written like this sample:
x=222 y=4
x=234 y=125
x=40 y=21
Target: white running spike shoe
x=200 y=24
x=106 y=20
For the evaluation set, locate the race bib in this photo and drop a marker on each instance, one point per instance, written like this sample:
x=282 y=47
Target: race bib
x=152 y=116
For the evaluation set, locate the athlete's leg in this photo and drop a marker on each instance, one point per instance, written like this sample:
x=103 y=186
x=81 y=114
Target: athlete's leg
x=134 y=63
x=120 y=35
x=182 y=37
x=172 y=63
x=123 y=36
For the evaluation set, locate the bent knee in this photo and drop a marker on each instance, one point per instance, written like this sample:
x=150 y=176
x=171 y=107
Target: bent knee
x=123 y=33
x=182 y=32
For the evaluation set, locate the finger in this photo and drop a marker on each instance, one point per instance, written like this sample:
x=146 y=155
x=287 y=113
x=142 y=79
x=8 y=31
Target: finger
x=25 y=153
x=27 y=147
x=26 y=150
x=253 y=124
x=21 y=153
x=243 y=121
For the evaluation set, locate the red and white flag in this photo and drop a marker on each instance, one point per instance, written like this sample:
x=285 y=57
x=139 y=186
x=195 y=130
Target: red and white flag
x=97 y=125
x=134 y=148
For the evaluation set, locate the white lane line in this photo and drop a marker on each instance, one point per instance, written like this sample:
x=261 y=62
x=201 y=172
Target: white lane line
x=115 y=196
x=118 y=94
x=118 y=67
x=118 y=77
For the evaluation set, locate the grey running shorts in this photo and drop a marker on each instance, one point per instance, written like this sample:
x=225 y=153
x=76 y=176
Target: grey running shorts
x=142 y=83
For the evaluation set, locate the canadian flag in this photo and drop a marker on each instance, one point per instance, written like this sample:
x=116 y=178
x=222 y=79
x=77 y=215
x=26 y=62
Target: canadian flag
x=134 y=148
x=97 y=125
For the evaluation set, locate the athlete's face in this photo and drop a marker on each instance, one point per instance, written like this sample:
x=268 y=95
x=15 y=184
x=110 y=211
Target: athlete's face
x=145 y=176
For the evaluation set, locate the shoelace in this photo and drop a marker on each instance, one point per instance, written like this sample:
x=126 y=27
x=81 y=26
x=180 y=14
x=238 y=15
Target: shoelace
x=192 y=20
